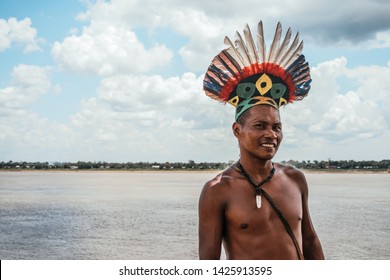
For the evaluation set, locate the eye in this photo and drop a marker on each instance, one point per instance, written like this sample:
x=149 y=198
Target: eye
x=277 y=127
x=260 y=125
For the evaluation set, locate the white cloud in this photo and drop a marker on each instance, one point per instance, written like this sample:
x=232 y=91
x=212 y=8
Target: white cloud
x=28 y=83
x=28 y=137
x=106 y=49
x=205 y=23
x=331 y=117
x=381 y=41
x=133 y=116
x=203 y=27
x=150 y=118
x=25 y=135
x=20 y=33
x=350 y=116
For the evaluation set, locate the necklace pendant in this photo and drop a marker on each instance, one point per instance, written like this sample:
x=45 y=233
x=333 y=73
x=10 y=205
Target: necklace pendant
x=258 y=201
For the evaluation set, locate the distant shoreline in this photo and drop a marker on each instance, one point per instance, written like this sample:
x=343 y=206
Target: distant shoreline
x=307 y=171
x=113 y=170
x=347 y=171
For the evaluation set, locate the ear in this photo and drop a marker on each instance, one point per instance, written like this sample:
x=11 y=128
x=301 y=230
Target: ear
x=236 y=127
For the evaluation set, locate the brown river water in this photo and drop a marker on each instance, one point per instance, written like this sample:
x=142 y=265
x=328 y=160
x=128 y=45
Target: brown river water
x=153 y=215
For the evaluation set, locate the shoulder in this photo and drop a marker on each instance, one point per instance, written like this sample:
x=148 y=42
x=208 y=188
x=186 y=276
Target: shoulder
x=220 y=181
x=290 y=171
x=293 y=174
x=218 y=186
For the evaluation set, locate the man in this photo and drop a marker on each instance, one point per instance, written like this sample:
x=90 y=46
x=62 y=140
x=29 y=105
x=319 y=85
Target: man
x=257 y=209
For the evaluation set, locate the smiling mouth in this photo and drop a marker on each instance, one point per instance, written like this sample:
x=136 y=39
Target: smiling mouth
x=268 y=145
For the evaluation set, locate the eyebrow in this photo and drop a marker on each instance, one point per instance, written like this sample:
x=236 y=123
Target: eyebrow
x=265 y=122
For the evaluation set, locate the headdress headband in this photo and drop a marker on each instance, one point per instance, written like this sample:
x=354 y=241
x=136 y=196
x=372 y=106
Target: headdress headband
x=245 y=75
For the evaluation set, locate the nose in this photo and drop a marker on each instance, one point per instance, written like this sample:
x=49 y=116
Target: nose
x=270 y=133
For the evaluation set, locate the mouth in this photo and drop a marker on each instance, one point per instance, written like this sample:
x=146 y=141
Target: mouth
x=268 y=145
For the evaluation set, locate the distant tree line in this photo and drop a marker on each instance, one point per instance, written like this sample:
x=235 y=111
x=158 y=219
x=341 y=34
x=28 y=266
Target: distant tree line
x=339 y=164
x=84 y=165
x=192 y=165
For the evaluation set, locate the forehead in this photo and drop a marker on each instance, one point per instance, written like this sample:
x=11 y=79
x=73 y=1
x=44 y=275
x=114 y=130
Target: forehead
x=264 y=113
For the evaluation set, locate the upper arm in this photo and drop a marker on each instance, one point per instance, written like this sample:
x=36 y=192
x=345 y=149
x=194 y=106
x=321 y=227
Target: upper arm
x=211 y=216
x=311 y=245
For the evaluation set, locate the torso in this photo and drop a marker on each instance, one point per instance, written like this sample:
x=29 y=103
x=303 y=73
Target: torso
x=258 y=233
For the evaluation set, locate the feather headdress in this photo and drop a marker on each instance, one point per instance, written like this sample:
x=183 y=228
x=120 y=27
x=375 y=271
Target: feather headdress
x=245 y=75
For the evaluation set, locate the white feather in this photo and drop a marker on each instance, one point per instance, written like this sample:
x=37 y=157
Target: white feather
x=275 y=43
x=250 y=45
x=261 y=47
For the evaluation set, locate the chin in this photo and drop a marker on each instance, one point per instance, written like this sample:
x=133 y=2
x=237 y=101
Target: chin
x=269 y=158
x=266 y=156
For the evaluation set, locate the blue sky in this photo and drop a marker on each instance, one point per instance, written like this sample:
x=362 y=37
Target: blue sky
x=122 y=80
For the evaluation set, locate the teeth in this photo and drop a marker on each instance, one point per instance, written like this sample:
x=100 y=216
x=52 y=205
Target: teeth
x=268 y=145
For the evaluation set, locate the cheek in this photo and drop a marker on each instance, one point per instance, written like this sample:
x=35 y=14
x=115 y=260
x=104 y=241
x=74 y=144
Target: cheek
x=280 y=136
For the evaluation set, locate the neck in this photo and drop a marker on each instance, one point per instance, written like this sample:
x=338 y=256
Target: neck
x=258 y=169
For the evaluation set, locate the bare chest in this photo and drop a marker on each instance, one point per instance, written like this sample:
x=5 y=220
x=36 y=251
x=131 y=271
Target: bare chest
x=243 y=214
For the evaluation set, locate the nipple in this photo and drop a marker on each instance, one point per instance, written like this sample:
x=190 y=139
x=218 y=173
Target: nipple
x=244 y=226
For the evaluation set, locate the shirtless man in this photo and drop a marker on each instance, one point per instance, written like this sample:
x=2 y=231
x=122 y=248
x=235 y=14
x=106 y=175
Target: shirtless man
x=227 y=205
x=258 y=209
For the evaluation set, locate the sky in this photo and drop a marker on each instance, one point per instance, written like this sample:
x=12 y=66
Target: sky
x=121 y=80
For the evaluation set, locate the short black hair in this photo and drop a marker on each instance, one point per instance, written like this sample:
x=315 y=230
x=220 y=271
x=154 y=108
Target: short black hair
x=243 y=117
